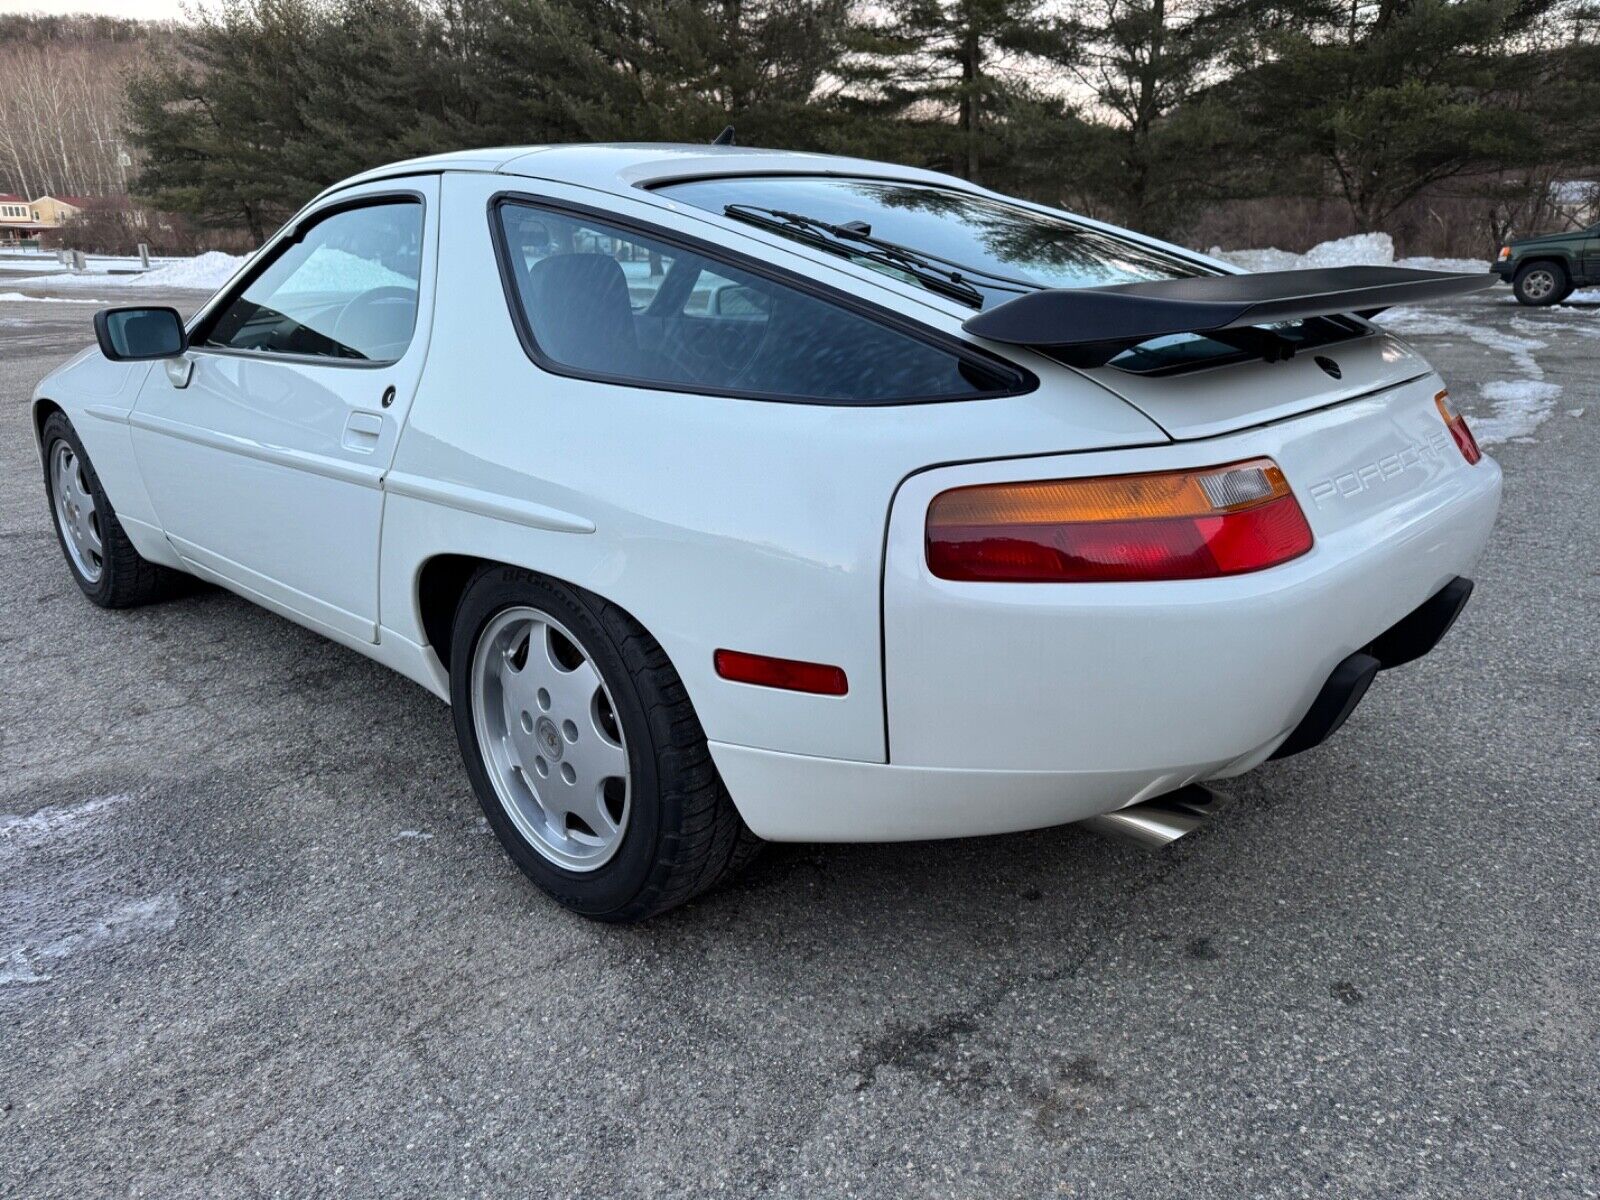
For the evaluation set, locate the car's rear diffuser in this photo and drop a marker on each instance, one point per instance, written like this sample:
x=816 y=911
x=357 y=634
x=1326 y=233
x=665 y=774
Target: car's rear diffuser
x=1087 y=327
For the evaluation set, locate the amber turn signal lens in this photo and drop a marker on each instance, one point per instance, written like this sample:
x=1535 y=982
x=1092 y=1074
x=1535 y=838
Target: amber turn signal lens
x=1457 y=424
x=1119 y=528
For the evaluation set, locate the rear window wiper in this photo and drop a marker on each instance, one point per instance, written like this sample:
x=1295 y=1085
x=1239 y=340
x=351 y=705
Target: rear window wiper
x=852 y=241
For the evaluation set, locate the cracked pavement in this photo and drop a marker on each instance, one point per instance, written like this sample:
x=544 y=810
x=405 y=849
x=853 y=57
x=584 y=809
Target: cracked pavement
x=255 y=939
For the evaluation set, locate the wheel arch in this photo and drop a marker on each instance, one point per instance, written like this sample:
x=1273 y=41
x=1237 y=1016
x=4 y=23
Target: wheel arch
x=442 y=579
x=43 y=409
x=1554 y=258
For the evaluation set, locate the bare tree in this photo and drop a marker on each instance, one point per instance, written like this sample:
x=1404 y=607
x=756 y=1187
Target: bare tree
x=61 y=107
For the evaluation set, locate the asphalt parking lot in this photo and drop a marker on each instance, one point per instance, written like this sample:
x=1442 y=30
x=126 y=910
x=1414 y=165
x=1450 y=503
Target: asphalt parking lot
x=255 y=939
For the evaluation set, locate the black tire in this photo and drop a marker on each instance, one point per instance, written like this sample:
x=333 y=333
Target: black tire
x=683 y=835
x=1541 y=284
x=126 y=578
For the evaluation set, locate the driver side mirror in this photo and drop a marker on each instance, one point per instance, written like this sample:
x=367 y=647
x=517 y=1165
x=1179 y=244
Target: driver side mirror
x=140 y=334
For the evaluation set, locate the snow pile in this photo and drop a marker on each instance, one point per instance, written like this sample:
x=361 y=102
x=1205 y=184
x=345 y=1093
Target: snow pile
x=330 y=270
x=1258 y=260
x=208 y=272
x=1358 y=250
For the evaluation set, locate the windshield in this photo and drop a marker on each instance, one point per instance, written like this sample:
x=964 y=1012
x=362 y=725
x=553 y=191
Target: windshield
x=958 y=228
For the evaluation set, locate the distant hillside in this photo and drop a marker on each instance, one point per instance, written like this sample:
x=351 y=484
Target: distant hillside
x=61 y=97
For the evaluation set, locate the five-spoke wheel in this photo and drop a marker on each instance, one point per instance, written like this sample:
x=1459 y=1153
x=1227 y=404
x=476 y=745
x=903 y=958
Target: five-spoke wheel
x=584 y=750
x=554 y=750
x=75 y=512
x=104 y=562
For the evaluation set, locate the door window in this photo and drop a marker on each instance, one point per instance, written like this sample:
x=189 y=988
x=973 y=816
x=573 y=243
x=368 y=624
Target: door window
x=345 y=289
x=614 y=303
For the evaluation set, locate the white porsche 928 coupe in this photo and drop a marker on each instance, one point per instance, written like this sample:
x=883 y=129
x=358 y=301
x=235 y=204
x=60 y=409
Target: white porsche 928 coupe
x=729 y=494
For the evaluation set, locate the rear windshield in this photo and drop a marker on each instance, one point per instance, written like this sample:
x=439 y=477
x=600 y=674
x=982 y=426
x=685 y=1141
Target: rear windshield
x=1015 y=248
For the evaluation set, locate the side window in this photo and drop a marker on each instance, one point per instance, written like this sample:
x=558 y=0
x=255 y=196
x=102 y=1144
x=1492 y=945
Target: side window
x=347 y=289
x=602 y=300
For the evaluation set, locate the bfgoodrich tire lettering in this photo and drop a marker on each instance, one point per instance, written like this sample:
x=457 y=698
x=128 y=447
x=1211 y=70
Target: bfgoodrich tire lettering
x=103 y=562
x=679 y=833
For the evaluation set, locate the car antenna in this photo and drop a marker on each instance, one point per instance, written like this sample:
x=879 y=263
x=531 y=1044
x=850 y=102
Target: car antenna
x=725 y=138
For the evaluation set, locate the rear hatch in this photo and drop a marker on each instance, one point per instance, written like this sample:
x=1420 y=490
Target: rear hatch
x=1220 y=399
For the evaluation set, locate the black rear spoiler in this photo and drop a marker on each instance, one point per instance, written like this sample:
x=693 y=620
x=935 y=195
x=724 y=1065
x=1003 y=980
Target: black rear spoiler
x=1088 y=327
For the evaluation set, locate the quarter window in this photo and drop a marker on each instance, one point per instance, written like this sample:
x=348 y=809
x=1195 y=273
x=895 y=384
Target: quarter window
x=610 y=302
x=345 y=289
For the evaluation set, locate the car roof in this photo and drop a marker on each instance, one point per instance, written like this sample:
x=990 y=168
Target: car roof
x=620 y=167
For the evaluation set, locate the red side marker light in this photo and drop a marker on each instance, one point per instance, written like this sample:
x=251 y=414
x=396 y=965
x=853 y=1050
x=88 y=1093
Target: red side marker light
x=786 y=673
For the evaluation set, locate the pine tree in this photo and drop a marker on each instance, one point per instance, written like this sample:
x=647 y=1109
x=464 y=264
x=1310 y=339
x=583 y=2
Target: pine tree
x=952 y=84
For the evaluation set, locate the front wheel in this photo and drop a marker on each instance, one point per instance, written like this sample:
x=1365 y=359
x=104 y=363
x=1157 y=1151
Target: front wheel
x=102 y=559
x=1541 y=284
x=585 y=752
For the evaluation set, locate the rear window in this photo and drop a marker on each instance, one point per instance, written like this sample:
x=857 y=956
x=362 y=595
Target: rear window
x=614 y=302
x=1006 y=249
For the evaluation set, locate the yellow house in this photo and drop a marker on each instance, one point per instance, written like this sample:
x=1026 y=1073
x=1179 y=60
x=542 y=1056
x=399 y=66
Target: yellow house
x=22 y=218
x=54 y=210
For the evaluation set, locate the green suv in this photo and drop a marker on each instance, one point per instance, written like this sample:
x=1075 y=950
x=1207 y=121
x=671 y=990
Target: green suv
x=1545 y=269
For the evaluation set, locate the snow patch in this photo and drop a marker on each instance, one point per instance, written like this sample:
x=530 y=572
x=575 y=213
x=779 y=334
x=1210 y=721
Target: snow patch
x=59 y=892
x=47 y=824
x=11 y=297
x=122 y=922
x=1520 y=407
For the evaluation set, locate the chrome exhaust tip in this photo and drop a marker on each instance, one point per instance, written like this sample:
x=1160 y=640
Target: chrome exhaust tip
x=1162 y=821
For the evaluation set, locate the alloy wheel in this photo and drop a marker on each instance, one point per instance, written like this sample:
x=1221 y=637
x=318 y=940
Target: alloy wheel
x=75 y=512
x=1538 y=284
x=551 y=742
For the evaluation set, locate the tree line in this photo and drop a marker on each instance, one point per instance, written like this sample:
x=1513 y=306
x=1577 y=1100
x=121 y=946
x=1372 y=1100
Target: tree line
x=1155 y=113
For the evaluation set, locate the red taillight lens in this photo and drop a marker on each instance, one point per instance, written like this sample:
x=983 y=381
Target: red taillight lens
x=1119 y=528
x=1457 y=424
x=765 y=671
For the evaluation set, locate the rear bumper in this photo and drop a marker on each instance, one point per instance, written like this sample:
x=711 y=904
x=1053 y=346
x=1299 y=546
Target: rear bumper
x=793 y=797
x=1404 y=642
x=1019 y=706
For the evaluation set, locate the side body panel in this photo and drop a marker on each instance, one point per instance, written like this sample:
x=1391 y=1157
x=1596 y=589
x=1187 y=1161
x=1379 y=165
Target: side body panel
x=716 y=521
x=265 y=470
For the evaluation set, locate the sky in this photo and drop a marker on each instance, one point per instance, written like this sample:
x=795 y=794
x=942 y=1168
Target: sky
x=110 y=8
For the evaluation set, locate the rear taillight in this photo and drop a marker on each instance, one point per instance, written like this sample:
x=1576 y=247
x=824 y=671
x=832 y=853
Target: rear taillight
x=1457 y=424
x=1116 y=528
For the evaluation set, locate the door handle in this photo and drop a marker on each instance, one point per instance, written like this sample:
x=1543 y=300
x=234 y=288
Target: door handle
x=362 y=431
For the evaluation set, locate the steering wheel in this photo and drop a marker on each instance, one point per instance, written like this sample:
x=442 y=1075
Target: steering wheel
x=364 y=316
x=733 y=356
